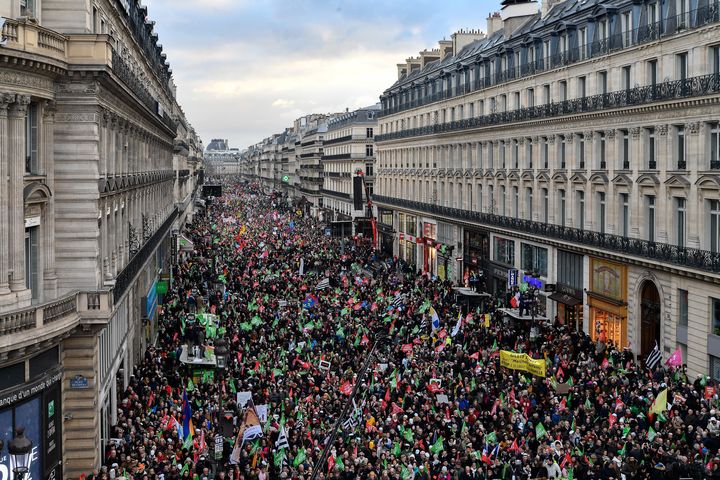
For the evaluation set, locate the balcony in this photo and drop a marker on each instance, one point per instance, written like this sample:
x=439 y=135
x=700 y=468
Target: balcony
x=644 y=34
x=25 y=328
x=27 y=36
x=652 y=251
x=662 y=92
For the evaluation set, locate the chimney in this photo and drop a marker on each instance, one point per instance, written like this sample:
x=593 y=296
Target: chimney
x=494 y=23
x=546 y=6
x=515 y=13
x=463 y=38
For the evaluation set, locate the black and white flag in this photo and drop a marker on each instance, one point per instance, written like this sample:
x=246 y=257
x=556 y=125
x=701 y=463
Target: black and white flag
x=282 y=441
x=398 y=301
x=653 y=359
x=324 y=284
x=354 y=419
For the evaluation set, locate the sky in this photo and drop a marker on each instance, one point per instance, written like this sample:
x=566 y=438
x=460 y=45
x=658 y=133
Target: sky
x=245 y=69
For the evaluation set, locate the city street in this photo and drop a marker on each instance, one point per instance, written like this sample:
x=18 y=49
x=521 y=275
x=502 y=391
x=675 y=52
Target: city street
x=298 y=336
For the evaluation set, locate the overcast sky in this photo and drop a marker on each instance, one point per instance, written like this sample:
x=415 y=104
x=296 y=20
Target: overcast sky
x=246 y=69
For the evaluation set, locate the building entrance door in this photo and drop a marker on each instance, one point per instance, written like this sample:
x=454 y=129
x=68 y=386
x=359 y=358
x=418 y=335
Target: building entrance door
x=649 y=318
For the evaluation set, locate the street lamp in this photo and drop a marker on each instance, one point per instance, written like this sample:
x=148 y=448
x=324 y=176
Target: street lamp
x=20 y=450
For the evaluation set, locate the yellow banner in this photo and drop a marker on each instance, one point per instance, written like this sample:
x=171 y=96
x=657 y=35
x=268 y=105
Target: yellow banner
x=521 y=361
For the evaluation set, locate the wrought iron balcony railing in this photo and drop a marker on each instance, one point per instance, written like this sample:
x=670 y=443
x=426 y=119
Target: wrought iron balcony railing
x=657 y=252
x=137 y=262
x=670 y=90
x=668 y=27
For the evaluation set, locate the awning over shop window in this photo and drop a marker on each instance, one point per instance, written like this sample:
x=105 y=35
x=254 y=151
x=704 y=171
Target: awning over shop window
x=565 y=298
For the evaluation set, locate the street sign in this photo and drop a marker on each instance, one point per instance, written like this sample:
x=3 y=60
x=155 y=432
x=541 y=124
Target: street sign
x=512 y=277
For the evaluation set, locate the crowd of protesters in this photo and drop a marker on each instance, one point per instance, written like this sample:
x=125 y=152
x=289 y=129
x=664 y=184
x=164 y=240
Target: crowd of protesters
x=434 y=403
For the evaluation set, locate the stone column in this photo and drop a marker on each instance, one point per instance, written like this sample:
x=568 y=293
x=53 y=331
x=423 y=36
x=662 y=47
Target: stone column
x=16 y=207
x=111 y=150
x=5 y=100
x=48 y=161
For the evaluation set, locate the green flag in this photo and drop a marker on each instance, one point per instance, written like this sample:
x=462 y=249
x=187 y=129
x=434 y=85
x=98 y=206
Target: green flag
x=491 y=438
x=570 y=473
x=651 y=434
x=185 y=468
x=245 y=327
x=231 y=384
x=396 y=449
x=190 y=385
x=405 y=473
x=408 y=435
x=437 y=447
x=279 y=457
x=256 y=321
x=340 y=464
x=626 y=430
x=540 y=431
x=299 y=458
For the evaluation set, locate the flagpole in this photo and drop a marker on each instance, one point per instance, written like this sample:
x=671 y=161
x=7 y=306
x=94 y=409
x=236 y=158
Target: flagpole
x=319 y=465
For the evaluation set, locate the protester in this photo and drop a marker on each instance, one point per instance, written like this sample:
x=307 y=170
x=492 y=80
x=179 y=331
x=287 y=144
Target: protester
x=435 y=402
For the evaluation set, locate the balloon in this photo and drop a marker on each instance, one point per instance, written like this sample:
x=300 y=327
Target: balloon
x=523 y=287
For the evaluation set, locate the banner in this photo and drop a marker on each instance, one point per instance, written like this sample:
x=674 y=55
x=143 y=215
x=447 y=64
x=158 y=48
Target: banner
x=521 y=361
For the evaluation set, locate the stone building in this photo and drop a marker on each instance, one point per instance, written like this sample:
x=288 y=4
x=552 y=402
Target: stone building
x=578 y=142
x=348 y=151
x=95 y=172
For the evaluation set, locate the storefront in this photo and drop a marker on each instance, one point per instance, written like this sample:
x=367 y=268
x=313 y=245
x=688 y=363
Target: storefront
x=476 y=254
x=568 y=289
x=569 y=306
x=429 y=250
x=34 y=406
x=407 y=246
x=386 y=232
x=607 y=300
x=498 y=280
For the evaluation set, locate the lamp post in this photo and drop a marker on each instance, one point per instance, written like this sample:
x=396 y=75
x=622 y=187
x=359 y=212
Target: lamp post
x=20 y=450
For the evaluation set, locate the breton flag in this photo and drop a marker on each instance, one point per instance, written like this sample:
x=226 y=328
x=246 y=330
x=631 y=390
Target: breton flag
x=282 y=441
x=398 y=301
x=653 y=359
x=324 y=284
x=458 y=326
x=354 y=419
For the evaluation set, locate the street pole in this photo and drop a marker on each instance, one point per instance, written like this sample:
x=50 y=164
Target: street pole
x=319 y=465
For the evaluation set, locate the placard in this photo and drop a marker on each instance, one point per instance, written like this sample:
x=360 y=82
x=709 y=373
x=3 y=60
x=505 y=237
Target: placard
x=262 y=411
x=243 y=397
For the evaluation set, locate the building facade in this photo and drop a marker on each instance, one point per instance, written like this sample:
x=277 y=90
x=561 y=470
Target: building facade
x=92 y=181
x=578 y=143
x=348 y=152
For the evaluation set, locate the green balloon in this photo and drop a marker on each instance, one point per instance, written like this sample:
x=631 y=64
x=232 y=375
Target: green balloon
x=523 y=287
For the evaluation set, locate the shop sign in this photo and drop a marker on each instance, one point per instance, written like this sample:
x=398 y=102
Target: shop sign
x=402 y=236
x=78 y=382
x=499 y=272
x=512 y=277
x=28 y=390
x=568 y=290
x=328 y=232
x=162 y=287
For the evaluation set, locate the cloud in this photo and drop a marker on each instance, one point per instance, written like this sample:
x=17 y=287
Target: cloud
x=283 y=103
x=246 y=70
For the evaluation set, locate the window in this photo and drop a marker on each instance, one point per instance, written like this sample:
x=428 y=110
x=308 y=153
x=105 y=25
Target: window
x=652 y=162
x=370 y=188
x=531 y=97
x=471 y=110
x=680 y=221
x=650 y=202
x=582 y=42
x=651 y=13
x=502 y=154
x=581 y=150
x=715 y=59
x=602 y=147
x=27 y=8
x=528 y=203
x=652 y=73
x=94 y=20
x=517 y=100
x=563 y=90
x=529 y=152
x=626 y=77
x=625 y=150
x=502 y=200
x=533 y=259
x=580 y=209
x=601 y=212
x=31 y=139
x=368 y=150
x=546 y=94
x=602 y=82
x=369 y=170
x=562 y=151
x=504 y=250
x=624 y=215
x=581 y=87
x=627 y=29
x=561 y=207
x=714 y=226
x=31 y=261
x=545 y=152
x=491 y=199
x=680 y=131
x=682 y=65
x=515 y=154
x=369 y=133
x=715 y=145
x=682 y=307
x=491 y=154
x=715 y=315
x=516 y=201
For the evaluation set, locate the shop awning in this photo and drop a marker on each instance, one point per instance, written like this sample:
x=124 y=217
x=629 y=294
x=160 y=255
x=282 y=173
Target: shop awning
x=565 y=298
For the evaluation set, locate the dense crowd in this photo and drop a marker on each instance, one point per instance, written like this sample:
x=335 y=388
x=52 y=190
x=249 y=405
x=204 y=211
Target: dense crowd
x=434 y=403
